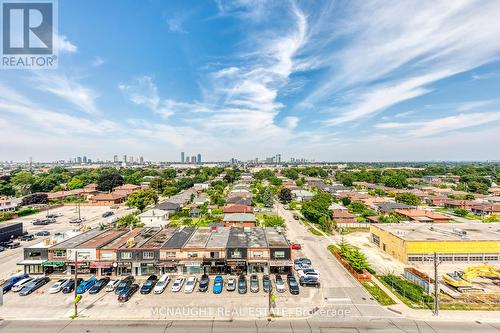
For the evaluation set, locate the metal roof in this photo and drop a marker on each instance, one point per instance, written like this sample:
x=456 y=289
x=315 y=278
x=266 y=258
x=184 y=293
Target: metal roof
x=179 y=238
x=199 y=238
x=79 y=239
x=160 y=238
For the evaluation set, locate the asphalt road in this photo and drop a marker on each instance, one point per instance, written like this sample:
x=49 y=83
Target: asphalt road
x=260 y=326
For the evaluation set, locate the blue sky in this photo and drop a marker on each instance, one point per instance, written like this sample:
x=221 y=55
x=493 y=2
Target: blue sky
x=326 y=80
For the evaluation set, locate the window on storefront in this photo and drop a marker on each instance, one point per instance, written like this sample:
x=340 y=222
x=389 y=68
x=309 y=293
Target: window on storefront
x=148 y=255
x=258 y=254
x=126 y=255
x=214 y=255
x=170 y=254
x=59 y=253
x=236 y=254
x=106 y=256
x=279 y=254
x=35 y=254
x=192 y=255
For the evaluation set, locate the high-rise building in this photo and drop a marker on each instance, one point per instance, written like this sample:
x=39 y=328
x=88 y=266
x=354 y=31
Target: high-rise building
x=131 y=159
x=199 y=158
x=78 y=159
x=124 y=158
x=115 y=158
x=193 y=159
x=84 y=159
x=141 y=160
x=278 y=158
x=182 y=157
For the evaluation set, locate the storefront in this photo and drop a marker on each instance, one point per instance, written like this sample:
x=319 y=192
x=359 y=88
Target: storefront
x=258 y=266
x=280 y=266
x=102 y=268
x=54 y=267
x=236 y=267
x=214 y=266
x=123 y=268
x=32 y=266
x=167 y=267
x=191 y=267
x=148 y=268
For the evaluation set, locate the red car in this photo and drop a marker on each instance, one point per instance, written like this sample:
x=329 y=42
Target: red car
x=295 y=246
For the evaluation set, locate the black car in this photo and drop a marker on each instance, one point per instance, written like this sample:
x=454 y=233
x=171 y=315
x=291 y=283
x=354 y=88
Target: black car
x=42 y=233
x=242 y=284
x=149 y=284
x=309 y=281
x=70 y=286
x=97 y=287
x=27 y=237
x=107 y=214
x=12 y=245
x=4 y=244
x=266 y=284
x=293 y=286
x=204 y=282
x=33 y=285
x=52 y=216
x=128 y=292
x=124 y=283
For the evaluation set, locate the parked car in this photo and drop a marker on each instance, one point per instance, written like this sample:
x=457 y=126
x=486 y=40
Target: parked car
x=77 y=220
x=309 y=272
x=126 y=293
x=266 y=284
x=296 y=217
x=86 y=285
x=254 y=283
x=40 y=222
x=107 y=214
x=231 y=284
x=10 y=282
x=12 y=245
x=204 y=282
x=293 y=286
x=161 y=284
x=70 y=286
x=114 y=207
x=21 y=283
x=2 y=248
x=280 y=285
x=112 y=284
x=52 y=216
x=33 y=286
x=124 y=283
x=58 y=286
x=301 y=263
x=178 y=283
x=218 y=284
x=149 y=284
x=27 y=237
x=190 y=284
x=309 y=281
x=42 y=233
x=99 y=285
x=242 y=284
x=295 y=246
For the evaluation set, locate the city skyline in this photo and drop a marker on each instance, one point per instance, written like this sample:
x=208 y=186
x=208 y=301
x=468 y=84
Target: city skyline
x=324 y=81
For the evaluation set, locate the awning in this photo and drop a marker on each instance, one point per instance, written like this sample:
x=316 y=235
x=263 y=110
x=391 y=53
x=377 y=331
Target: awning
x=278 y=263
x=32 y=262
x=190 y=263
x=101 y=264
x=54 y=263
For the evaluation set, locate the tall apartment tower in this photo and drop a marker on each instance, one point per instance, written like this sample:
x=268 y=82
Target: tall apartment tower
x=193 y=159
x=199 y=158
x=115 y=158
x=141 y=160
x=183 y=157
x=124 y=158
x=278 y=158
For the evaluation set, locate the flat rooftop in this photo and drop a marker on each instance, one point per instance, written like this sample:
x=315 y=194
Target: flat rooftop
x=218 y=238
x=145 y=235
x=79 y=239
x=159 y=239
x=179 y=238
x=275 y=238
x=237 y=238
x=102 y=239
x=122 y=240
x=256 y=238
x=199 y=239
x=443 y=232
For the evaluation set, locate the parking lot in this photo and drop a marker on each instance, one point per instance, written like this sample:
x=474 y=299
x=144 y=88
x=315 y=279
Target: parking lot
x=92 y=214
x=168 y=305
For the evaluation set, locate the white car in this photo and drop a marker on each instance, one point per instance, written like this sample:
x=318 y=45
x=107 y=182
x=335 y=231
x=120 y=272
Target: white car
x=178 y=284
x=21 y=283
x=280 y=284
x=190 y=284
x=308 y=272
x=58 y=286
x=112 y=284
x=161 y=284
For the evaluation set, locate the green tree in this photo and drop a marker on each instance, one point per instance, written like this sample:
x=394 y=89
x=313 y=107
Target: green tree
x=6 y=188
x=346 y=201
x=461 y=212
x=23 y=181
x=130 y=221
x=285 y=195
x=291 y=173
x=108 y=181
x=408 y=198
x=267 y=197
x=273 y=221
x=142 y=198
x=317 y=207
x=75 y=183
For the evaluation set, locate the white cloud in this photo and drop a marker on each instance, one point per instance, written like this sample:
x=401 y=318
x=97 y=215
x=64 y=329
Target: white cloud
x=291 y=122
x=63 y=45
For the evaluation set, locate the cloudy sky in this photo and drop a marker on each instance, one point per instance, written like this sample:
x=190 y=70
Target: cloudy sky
x=334 y=80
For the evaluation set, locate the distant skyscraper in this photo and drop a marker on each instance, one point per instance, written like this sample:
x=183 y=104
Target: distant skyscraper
x=278 y=158
x=115 y=158
x=78 y=159
x=125 y=158
x=131 y=159
x=182 y=157
x=193 y=159
x=199 y=158
x=84 y=159
x=141 y=160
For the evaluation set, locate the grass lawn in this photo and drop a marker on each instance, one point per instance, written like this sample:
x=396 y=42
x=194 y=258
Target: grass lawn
x=377 y=293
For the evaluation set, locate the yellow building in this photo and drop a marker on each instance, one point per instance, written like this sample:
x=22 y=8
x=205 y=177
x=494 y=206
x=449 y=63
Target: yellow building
x=454 y=242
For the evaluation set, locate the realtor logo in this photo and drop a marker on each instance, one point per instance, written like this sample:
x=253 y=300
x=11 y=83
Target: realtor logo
x=28 y=31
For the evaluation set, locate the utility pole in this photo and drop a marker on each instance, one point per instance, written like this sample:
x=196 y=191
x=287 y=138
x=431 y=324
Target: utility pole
x=436 y=285
x=76 y=284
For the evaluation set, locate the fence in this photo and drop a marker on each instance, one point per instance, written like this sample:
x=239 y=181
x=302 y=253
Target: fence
x=365 y=276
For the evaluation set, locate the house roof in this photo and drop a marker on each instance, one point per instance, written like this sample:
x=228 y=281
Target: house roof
x=102 y=239
x=179 y=238
x=74 y=242
x=341 y=213
x=127 y=187
x=160 y=238
x=237 y=238
x=168 y=205
x=142 y=238
x=275 y=239
x=122 y=240
x=239 y=217
x=153 y=213
x=256 y=238
x=199 y=239
x=389 y=206
x=108 y=196
x=237 y=208
x=218 y=238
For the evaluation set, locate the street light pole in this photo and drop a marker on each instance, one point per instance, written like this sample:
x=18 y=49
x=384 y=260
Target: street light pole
x=76 y=284
x=436 y=286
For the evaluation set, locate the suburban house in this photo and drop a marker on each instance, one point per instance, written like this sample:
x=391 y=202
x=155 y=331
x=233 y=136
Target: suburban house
x=386 y=207
x=126 y=189
x=343 y=218
x=169 y=207
x=301 y=195
x=236 y=208
x=239 y=201
x=239 y=220
x=486 y=209
x=61 y=195
x=436 y=200
x=420 y=215
x=154 y=217
x=108 y=199
x=9 y=205
x=201 y=186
